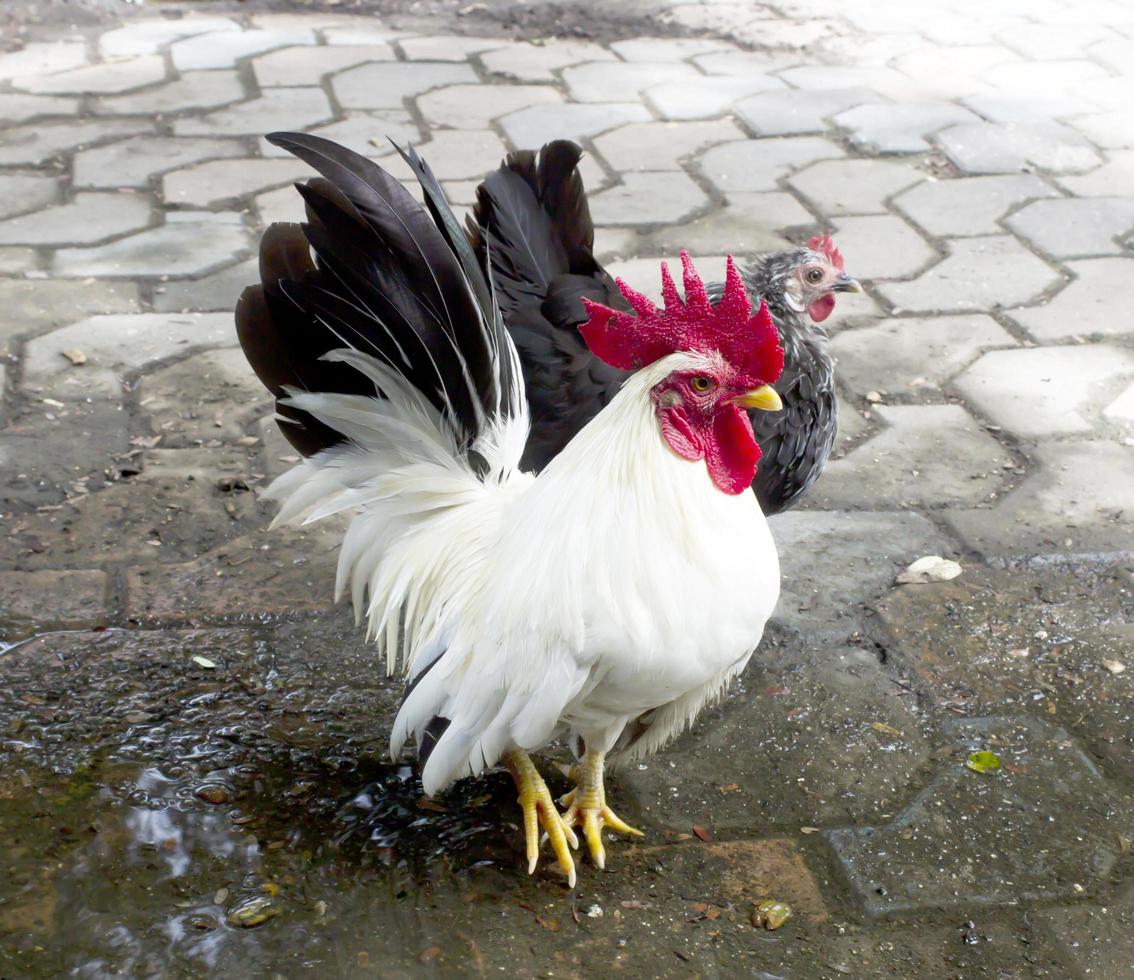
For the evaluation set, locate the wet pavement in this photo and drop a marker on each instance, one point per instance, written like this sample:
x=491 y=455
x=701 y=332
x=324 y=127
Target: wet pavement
x=193 y=767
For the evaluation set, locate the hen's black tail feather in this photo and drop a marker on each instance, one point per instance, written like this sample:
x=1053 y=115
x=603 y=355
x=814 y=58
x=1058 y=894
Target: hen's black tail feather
x=390 y=280
x=532 y=231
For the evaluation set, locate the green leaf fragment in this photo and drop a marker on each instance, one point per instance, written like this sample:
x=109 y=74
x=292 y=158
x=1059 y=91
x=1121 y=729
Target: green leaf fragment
x=983 y=762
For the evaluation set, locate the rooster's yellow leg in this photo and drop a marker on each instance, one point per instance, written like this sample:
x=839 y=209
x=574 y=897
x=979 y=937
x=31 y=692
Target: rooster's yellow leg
x=539 y=810
x=586 y=807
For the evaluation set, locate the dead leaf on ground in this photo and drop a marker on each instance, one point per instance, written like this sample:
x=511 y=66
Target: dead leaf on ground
x=702 y=833
x=75 y=356
x=931 y=568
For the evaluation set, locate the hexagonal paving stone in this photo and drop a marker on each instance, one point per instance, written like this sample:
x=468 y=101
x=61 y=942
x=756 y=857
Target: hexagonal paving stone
x=222 y=49
x=368 y=133
x=32 y=304
x=209 y=396
x=978 y=274
x=881 y=246
x=447 y=47
x=537 y=62
x=282 y=204
x=969 y=205
x=193 y=90
x=621 y=81
x=1078 y=500
x=1042 y=78
x=20 y=193
x=475 y=106
x=308 y=66
x=132 y=162
x=659 y=145
x=1026 y=107
x=835 y=562
x=37 y=143
x=20 y=108
x=86 y=218
x=42 y=57
x=1045 y=822
x=704 y=97
x=900 y=128
x=277 y=108
x=854 y=186
x=884 y=81
x=190 y=243
x=1022 y=638
x=1110 y=130
x=748 y=223
x=798 y=110
x=217 y=291
x=1044 y=41
x=115 y=76
x=387 y=86
x=1122 y=408
x=1116 y=176
x=207 y=184
x=1043 y=391
x=757 y=165
x=456 y=154
x=909 y=354
x=927 y=456
x=1096 y=301
x=530 y=128
x=956 y=65
x=648 y=198
x=989 y=148
x=733 y=62
x=116 y=344
x=666 y=48
x=1074 y=227
x=148 y=36
x=16 y=260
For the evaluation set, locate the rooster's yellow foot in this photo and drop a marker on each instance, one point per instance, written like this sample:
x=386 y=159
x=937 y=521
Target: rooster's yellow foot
x=539 y=810
x=586 y=807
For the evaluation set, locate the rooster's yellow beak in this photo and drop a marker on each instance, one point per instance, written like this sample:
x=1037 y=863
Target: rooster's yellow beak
x=764 y=398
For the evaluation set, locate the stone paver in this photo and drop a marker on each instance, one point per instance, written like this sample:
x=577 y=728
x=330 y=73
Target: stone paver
x=660 y=146
x=975 y=164
x=105 y=79
x=907 y=355
x=883 y=246
x=798 y=111
x=854 y=186
x=386 y=86
x=969 y=205
x=20 y=193
x=757 y=166
x=87 y=217
x=276 y=108
x=193 y=90
x=134 y=162
x=530 y=128
x=990 y=148
x=1046 y=391
x=40 y=143
x=926 y=456
x=207 y=184
x=475 y=106
x=648 y=199
x=978 y=274
x=188 y=244
x=308 y=66
x=1096 y=301
x=900 y=128
x=1074 y=228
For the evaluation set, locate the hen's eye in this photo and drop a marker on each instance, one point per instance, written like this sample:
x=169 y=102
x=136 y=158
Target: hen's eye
x=701 y=384
x=814 y=275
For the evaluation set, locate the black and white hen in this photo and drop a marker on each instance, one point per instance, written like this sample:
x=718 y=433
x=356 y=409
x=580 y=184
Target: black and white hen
x=532 y=227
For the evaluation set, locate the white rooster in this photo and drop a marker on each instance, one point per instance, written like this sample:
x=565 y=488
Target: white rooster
x=608 y=599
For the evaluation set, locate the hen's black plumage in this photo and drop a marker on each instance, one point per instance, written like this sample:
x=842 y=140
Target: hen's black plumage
x=532 y=226
x=388 y=279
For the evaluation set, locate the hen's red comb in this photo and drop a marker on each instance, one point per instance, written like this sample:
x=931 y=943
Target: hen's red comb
x=751 y=344
x=825 y=245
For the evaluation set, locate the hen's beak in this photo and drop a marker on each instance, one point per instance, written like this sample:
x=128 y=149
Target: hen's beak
x=847 y=284
x=764 y=398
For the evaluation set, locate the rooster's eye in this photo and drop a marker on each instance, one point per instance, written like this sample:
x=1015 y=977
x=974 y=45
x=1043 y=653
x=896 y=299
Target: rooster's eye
x=814 y=275
x=701 y=384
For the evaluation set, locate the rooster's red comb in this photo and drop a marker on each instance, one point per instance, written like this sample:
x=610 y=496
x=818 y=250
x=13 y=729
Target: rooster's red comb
x=825 y=245
x=751 y=344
